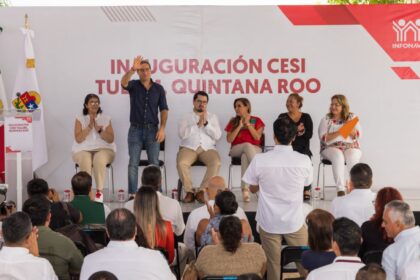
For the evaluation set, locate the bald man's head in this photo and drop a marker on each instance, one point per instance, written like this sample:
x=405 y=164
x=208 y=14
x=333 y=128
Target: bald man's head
x=214 y=185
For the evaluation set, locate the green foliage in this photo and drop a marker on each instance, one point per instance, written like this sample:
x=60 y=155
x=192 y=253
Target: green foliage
x=4 y=3
x=372 y=1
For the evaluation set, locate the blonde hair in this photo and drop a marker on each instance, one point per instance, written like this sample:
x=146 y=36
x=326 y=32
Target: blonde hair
x=146 y=210
x=342 y=100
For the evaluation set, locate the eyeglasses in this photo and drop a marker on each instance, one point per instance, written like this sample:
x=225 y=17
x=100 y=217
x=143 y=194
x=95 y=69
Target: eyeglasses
x=201 y=102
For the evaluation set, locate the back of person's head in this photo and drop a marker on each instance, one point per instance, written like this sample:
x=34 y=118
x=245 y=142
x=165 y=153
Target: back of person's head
x=361 y=176
x=226 y=201
x=16 y=229
x=320 y=230
x=103 y=275
x=121 y=225
x=384 y=196
x=284 y=130
x=249 y=276
x=230 y=229
x=37 y=186
x=400 y=212
x=347 y=235
x=81 y=183
x=152 y=177
x=38 y=207
x=371 y=271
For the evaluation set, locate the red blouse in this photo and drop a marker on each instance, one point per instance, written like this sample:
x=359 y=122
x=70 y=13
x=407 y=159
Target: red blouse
x=166 y=242
x=244 y=136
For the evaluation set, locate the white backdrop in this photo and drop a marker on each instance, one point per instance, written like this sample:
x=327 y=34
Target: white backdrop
x=75 y=48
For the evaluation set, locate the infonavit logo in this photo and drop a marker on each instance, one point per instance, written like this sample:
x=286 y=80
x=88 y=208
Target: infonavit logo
x=407 y=34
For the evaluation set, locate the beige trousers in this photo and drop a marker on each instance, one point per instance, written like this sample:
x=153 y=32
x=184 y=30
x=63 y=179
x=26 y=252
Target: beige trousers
x=247 y=152
x=96 y=160
x=271 y=244
x=186 y=157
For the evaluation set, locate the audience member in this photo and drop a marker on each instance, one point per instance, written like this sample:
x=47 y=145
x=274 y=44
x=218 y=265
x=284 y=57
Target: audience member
x=122 y=256
x=19 y=256
x=62 y=213
x=412 y=271
x=320 y=233
x=399 y=224
x=346 y=243
x=373 y=234
x=93 y=212
x=371 y=271
x=103 y=275
x=59 y=250
x=158 y=232
x=280 y=176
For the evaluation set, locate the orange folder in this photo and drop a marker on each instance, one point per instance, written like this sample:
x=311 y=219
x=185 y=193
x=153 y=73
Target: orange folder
x=348 y=127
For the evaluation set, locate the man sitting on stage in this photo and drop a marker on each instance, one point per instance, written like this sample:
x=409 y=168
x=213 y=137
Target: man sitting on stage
x=199 y=131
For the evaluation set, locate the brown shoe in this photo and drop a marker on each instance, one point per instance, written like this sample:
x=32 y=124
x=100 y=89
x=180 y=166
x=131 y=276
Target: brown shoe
x=199 y=196
x=189 y=198
x=341 y=193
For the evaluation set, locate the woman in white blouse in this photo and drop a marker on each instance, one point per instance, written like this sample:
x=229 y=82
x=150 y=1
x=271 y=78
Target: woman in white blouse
x=334 y=147
x=94 y=145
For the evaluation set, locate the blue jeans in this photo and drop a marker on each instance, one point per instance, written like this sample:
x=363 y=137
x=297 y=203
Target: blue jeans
x=141 y=139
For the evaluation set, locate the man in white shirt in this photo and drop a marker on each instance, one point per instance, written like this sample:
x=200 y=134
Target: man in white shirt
x=347 y=238
x=215 y=185
x=122 y=256
x=199 y=131
x=280 y=176
x=399 y=223
x=19 y=256
x=358 y=204
x=412 y=271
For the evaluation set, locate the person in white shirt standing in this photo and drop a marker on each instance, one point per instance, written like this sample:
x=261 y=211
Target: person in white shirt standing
x=19 y=257
x=347 y=238
x=199 y=131
x=358 y=205
x=280 y=175
x=399 y=224
x=122 y=256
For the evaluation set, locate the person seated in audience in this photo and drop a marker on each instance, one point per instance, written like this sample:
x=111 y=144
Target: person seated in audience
x=371 y=271
x=19 y=256
x=373 y=234
x=62 y=213
x=399 y=224
x=93 y=212
x=169 y=207
x=320 y=232
x=59 y=250
x=412 y=271
x=358 y=204
x=347 y=238
x=228 y=255
x=103 y=275
x=122 y=256
x=225 y=204
x=158 y=231
x=93 y=147
x=215 y=185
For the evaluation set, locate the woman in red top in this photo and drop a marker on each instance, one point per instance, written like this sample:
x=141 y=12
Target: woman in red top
x=244 y=132
x=158 y=232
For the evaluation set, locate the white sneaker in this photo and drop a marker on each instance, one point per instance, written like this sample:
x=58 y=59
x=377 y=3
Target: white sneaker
x=99 y=196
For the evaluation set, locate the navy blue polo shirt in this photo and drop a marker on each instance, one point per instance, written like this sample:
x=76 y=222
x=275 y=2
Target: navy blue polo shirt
x=144 y=103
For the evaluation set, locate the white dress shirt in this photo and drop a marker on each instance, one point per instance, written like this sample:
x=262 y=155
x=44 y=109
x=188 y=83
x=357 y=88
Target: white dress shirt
x=405 y=249
x=169 y=209
x=194 y=219
x=412 y=271
x=281 y=175
x=18 y=264
x=193 y=136
x=358 y=206
x=343 y=268
x=127 y=261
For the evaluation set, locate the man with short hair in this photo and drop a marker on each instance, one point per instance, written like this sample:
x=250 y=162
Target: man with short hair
x=93 y=212
x=122 y=256
x=146 y=97
x=215 y=185
x=358 y=204
x=19 y=256
x=399 y=223
x=199 y=130
x=347 y=238
x=60 y=217
x=59 y=250
x=280 y=176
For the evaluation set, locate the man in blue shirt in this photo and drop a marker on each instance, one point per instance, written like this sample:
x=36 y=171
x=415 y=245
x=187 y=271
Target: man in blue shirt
x=146 y=97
